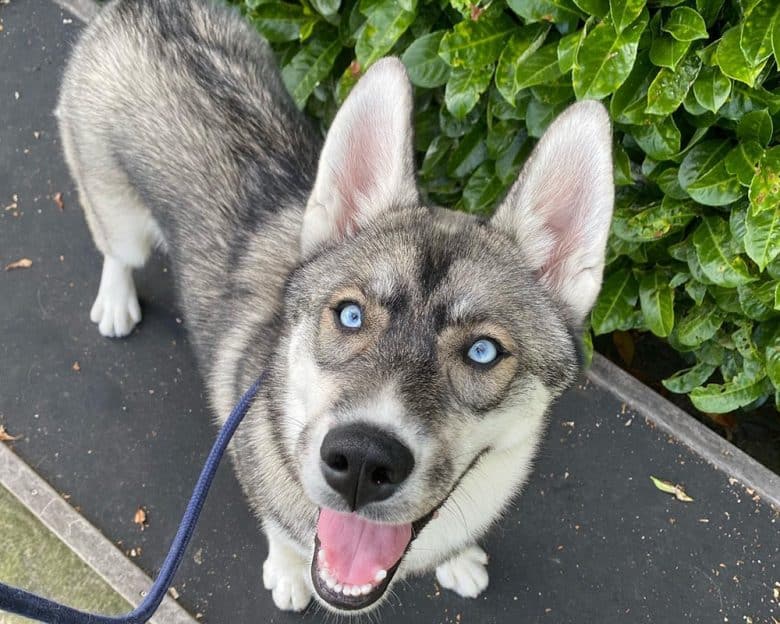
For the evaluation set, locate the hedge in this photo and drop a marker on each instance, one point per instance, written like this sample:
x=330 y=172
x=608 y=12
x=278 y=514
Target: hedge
x=693 y=89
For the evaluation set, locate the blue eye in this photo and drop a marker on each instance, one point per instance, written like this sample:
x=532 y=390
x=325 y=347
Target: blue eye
x=351 y=316
x=483 y=351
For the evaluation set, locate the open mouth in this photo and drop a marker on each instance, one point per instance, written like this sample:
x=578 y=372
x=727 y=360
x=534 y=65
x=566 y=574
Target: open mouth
x=355 y=559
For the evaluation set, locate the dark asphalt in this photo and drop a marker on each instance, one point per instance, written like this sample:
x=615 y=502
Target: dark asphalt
x=590 y=539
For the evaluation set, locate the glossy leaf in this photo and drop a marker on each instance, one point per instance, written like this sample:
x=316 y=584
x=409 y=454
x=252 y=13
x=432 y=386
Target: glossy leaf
x=524 y=42
x=477 y=43
x=686 y=380
x=426 y=68
x=660 y=140
x=716 y=255
x=762 y=238
x=605 y=59
x=732 y=61
x=386 y=22
x=667 y=91
x=657 y=303
x=756 y=126
x=712 y=88
x=311 y=65
x=464 y=88
x=544 y=10
x=665 y=51
x=279 y=21
x=758 y=29
x=615 y=306
x=743 y=160
x=538 y=68
x=699 y=325
x=685 y=24
x=624 y=12
x=739 y=392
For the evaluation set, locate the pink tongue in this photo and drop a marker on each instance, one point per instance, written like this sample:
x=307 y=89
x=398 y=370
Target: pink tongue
x=356 y=548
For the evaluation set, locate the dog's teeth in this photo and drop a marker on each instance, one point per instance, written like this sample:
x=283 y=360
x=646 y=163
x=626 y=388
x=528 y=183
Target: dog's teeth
x=321 y=556
x=380 y=576
x=347 y=590
x=355 y=590
x=338 y=588
x=366 y=589
x=330 y=582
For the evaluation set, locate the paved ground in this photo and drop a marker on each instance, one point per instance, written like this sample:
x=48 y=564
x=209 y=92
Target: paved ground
x=590 y=540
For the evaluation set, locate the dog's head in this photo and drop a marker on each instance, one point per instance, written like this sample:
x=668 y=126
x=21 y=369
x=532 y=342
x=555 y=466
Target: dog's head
x=420 y=340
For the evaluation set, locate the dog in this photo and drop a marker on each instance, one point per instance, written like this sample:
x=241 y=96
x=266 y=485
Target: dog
x=411 y=351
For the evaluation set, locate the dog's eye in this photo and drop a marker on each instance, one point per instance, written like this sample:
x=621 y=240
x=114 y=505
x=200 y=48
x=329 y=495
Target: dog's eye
x=350 y=315
x=484 y=351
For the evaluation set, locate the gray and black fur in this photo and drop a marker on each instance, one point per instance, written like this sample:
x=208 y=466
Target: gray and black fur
x=179 y=132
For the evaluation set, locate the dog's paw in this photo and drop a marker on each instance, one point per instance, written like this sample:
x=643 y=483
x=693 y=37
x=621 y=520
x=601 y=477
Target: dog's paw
x=285 y=577
x=116 y=310
x=466 y=573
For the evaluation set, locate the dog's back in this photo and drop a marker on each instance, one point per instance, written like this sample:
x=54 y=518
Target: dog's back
x=177 y=127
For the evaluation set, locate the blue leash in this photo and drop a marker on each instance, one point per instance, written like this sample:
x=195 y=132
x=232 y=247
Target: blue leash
x=44 y=610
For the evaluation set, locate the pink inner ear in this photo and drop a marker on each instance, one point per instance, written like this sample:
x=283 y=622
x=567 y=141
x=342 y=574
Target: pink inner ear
x=357 y=175
x=564 y=219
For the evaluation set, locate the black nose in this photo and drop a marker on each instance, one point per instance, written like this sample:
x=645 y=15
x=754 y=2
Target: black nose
x=364 y=464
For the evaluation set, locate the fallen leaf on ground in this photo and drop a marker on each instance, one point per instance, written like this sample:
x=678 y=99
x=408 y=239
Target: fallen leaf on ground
x=23 y=263
x=58 y=201
x=671 y=488
x=5 y=436
x=140 y=517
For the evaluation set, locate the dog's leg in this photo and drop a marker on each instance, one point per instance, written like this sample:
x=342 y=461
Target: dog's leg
x=122 y=227
x=465 y=573
x=285 y=573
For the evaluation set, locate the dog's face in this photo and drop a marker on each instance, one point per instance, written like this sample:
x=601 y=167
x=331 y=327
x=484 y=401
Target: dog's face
x=421 y=341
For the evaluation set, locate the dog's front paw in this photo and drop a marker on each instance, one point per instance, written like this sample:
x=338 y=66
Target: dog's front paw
x=284 y=575
x=466 y=573
x=116 y=310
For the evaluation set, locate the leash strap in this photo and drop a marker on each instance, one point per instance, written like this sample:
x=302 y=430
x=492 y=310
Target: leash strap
x=42 y=609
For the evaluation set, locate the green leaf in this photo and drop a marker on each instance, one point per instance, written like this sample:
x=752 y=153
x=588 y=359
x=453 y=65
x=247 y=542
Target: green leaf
x=732 y=61
x=540 y=114
x=469 y=154
x=309 y=66
x=704 y=177
x=717 y=187
x=686 y=380
x=477 y=42
x=624 y=12
x=660 y=140
x=538 y=68
x=482 y=190
x=524 y=42
x=568 y=47
x=555 y=11
x=756 y=126
x=426 y=68
x=696 y=291
x=699 y=325
x=742 y=161
x=654 y=222
x=657 y=302
x=667 y=52
x=326 y=7
x=605 y=59
x=762 y=239
x=757 y=31
x=685 y=24
x=464 y=88
x=622 y=167
x=758 y=300
x=772 y=358
x=711 y=88
x=716 y=255
x=765 y=186
x=599 y=8
x=615 y=306
x=670 y=86
x=279 y=21
x=739 y=392
x=627 y=104
x=709 y=9
x=386 y=22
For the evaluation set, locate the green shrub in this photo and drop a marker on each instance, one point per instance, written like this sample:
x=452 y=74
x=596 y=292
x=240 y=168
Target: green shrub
x=694 y=92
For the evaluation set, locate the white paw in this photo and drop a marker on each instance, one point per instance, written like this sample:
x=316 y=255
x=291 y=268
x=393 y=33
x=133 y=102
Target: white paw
x=466 y=573
x=116 y=310
x=285 y=577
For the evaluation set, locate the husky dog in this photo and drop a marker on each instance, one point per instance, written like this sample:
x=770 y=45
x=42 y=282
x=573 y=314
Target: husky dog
x=412 y=352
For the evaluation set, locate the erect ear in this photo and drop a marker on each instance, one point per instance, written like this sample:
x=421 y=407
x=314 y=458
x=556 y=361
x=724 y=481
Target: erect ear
x=560 y=208
x=367 y=162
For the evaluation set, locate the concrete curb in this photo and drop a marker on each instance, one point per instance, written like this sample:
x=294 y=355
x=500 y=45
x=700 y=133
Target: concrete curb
x=82 y=538
x=674 y=421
